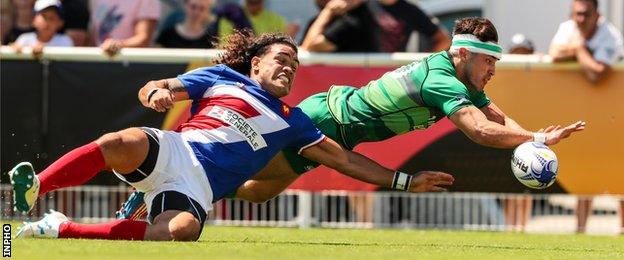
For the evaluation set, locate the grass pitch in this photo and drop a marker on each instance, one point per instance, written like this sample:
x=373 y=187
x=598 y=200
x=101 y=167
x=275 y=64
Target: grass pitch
x=286 y=243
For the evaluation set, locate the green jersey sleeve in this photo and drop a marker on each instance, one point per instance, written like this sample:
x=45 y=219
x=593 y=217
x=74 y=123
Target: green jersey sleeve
x=481 y=100
x=447 y=94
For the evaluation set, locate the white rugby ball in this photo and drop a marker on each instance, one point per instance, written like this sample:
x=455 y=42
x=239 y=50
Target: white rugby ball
x=534 y=165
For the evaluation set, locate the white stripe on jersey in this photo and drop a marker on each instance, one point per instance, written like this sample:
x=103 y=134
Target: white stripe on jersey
x=226 y=134
x=244 y=126
x=311 y=144
x=251 y=100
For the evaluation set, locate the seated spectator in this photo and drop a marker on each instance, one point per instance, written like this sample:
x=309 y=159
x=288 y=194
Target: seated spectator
x=399 y=18
x=194 y=31
x=22 y=19
x=76 y=21
x=262 y=20
x=342 y=26
x=118 y=24
x=6 y=20
x=520 y=44
x=48 y=22
x=235 y=14
x=589 y=39
x=173 y=14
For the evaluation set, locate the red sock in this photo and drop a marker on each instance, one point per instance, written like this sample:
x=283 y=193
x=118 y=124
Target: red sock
x=74 y=168
x=121 y=229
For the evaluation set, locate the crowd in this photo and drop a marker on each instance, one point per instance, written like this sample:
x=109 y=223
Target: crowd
x=113 y=25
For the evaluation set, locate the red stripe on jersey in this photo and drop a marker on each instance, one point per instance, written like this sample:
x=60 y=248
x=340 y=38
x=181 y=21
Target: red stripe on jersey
x=201 y=121
x=234 y=103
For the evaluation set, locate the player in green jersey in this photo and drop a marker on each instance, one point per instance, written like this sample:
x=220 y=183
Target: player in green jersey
x=413 y=97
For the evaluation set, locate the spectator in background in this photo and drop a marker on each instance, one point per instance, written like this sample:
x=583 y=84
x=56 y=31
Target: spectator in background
x=48 y=22
x=518 y=208
x=397 y=20
x=22 y=19
x=117 y=24
x=589 y=39
x=262 y=20
x=6 y=20
x=520 y=44
x=596 y=45
x=76 y=21
x=194 y=31
x=342 y=26
x=231 y=12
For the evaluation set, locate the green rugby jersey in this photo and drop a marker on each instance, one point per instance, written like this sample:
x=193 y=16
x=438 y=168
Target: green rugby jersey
x=411 y=97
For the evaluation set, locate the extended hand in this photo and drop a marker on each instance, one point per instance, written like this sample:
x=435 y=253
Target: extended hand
x=554 y=134
x=427 y=181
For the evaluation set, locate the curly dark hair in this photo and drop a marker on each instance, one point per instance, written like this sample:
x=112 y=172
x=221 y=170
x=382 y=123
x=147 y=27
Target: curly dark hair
x=241 y=46
x=480 y=27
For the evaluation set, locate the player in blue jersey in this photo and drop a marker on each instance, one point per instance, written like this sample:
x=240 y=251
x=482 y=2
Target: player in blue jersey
x=237 y=125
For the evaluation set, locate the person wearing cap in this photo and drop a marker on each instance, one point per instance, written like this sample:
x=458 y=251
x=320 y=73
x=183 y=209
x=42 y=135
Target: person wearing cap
x=520 y=44
x=448 y=84
x=589 y=39
x=48 y=21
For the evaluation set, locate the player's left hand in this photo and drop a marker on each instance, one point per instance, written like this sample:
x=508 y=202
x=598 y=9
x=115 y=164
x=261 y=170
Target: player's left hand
x=428 y=181
x=557 y=133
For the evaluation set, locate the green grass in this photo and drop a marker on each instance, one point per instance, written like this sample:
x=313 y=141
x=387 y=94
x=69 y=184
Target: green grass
x=285 y=243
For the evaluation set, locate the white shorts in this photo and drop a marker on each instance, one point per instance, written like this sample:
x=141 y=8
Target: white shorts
x=176 y=169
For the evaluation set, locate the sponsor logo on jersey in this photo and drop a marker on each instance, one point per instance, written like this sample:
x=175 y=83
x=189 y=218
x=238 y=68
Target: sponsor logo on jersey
x=241 y=124
x=285 y=110
x=461 y=99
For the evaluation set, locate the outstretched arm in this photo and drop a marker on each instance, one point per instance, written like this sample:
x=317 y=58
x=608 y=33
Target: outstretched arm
x=357 y=166
x=278 y=175
x=495 y=114
x=475 y=124
x=274 y=178
x=161 y=94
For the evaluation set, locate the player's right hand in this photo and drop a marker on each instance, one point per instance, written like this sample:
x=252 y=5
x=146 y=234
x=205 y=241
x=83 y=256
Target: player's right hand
x=428 y=181
x=162 y=100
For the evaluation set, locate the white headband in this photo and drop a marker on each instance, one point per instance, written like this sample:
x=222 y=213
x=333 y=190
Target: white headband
x=473 y=44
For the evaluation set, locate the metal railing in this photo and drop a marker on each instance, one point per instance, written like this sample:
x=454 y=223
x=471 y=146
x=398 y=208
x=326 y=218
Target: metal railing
x=343 y=209
x=164 y=55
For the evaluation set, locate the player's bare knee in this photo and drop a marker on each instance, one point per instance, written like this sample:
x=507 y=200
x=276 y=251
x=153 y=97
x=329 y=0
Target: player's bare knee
x=184 y=230
x=124 y=150
x=110 y=141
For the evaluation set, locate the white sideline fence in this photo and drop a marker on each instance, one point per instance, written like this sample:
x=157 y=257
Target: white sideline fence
x=346 y=209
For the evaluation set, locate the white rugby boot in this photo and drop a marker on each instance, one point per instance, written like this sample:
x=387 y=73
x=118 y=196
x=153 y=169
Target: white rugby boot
x=47 y=227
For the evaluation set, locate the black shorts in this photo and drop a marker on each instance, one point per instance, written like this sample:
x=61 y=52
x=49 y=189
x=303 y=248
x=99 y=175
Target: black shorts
x=173 y=200
x=147 y=167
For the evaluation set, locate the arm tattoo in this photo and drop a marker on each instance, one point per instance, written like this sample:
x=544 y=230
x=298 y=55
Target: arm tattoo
x=175 y=85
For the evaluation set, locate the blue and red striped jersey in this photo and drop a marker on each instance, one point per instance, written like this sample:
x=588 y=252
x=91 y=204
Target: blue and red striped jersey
x=236 y=127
